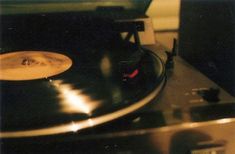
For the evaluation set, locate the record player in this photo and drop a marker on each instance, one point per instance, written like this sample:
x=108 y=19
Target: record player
x=70 y=83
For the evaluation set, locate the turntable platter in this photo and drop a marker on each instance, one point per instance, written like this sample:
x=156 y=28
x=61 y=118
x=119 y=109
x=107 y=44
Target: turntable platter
x=76 y=93
x=28 y=65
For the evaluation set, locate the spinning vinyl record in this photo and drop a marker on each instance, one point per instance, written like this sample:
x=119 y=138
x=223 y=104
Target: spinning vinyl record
x=49 y=93
x=69 y=74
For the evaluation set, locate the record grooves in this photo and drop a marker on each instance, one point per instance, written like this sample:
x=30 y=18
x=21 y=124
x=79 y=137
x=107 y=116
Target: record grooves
x=89 y=79
x=81 y=97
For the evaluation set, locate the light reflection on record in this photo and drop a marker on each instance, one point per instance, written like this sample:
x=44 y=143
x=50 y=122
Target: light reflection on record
x=82 y=97
x=74 y=101
x=75 y=126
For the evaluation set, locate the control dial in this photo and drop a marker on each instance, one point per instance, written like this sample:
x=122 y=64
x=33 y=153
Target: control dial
x=211 y=95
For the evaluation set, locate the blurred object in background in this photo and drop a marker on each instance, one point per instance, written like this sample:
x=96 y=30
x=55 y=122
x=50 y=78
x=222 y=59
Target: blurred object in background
x=165 y=14
x=207 y=39
x=165 y=18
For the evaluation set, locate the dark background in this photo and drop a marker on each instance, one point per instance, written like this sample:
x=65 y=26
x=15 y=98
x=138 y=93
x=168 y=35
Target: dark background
x=207 y=39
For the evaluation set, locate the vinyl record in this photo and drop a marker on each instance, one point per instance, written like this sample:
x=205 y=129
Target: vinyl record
x=68 y=74
x=84 y=91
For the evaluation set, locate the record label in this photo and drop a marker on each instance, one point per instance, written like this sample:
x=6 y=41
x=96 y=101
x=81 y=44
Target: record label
x=29 y=65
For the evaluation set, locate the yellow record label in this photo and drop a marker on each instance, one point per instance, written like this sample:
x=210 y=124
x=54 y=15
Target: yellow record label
x=29 y=65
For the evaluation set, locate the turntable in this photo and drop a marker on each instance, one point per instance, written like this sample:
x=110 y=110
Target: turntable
x=70 y=83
